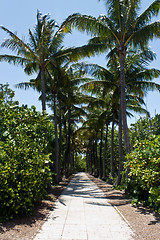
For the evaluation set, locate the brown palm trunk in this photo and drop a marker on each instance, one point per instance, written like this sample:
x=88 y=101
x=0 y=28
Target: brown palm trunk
x=90 y=157
x=96 y=158
x=43 y=90
x=100 y=155
x=60 y=137
x=119 y=177
x=68 y=151
x=112 y=151
x=87 y=159
x=57 y=177
x=104 y=153
x=65 y=155
x=123 y=105
x=123 y=101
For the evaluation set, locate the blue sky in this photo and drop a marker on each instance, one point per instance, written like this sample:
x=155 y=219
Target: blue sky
x=19 y=16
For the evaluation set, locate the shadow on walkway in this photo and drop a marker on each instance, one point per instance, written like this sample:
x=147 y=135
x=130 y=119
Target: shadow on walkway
x=118 y=198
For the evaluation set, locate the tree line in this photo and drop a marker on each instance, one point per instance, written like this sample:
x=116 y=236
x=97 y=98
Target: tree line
x=87 y=99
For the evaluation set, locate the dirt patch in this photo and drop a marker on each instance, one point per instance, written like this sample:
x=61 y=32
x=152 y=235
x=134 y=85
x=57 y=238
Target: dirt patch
x=144 y=222
x=25 y=228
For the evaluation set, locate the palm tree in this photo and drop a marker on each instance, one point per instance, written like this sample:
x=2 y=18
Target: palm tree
x=64 y=89
x=35 y=55
x=44 y=55
x=121 y=28
x=138 y=82
x=43 y=51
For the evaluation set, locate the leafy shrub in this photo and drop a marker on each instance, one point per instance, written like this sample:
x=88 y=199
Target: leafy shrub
x=144 y=127
x=24 y=174
x=144 y=164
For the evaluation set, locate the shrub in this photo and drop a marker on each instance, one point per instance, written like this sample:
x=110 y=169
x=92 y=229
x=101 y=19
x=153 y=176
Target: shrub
x=24 y=175
x=144 y=163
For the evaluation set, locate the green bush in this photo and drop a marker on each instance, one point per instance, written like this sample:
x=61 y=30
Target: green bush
x=144 y=163
x=24 y=174
x=144 y=127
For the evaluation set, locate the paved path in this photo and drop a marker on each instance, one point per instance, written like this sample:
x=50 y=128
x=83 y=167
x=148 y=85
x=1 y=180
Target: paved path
x=83 y=213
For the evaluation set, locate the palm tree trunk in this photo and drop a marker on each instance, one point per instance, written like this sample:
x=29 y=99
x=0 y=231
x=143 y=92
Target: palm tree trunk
x=68 y=152
x=100 y=155
x=119 y=177
x=73 y=160
x=112 y=151
x=123 y=101
x=56 y=142
x=43 y=90
x=112 y=145
x=123 y=106
x=90 y=157
x=65 y=155
x=60 y=136
x=96 y=158
x=87 y=159
x=104 y=153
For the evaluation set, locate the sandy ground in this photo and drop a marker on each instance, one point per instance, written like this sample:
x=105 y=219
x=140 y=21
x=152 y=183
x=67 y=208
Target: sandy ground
x=144 y=222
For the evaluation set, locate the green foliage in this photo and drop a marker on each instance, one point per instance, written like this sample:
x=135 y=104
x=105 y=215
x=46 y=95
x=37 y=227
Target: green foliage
x=144 y=164
x=156 y=124
x=80 y=164
x=144 y=127
x=24 y=172
x=6 y=94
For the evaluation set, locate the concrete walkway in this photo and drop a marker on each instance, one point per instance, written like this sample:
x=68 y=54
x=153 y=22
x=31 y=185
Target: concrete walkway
x=82 y=212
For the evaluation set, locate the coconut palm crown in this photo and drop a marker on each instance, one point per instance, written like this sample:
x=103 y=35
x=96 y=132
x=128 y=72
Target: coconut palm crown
x=35 y=55
x=122 y=27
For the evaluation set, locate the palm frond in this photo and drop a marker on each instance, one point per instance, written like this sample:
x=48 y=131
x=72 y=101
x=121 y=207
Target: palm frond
x=77 y=81
x=31 y=68
x=137 y=109
x=148 y=74
x=133 y=6
x=88 y=24
x=97 y=85
x=147 y=15
x=146 y=33
x=56 y=42
x=16 y=44
x=16 y=60
x=98 y=72
x=140 y=58
x=148 y=86
x=26 y=85
x=88 y=50
x=33 y=43
x=80 y=110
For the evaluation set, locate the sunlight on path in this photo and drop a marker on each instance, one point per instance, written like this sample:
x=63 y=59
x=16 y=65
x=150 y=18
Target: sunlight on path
x=83 y=213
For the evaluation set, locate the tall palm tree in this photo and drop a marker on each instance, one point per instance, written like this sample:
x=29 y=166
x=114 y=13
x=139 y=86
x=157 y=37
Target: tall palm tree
x=36 y=55
x=43 y=51
x=138 y=81
x=121 y=28
x=64 y=89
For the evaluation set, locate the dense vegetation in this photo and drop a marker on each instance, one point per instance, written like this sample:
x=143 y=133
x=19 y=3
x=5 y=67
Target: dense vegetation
x=144 y=162
x=88 y=129
x=24 y=172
